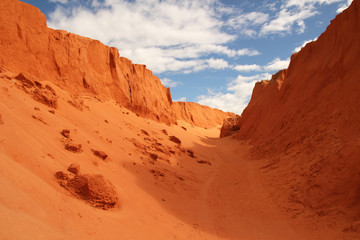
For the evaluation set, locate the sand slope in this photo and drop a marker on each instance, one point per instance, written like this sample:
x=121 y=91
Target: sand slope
x=202 y=188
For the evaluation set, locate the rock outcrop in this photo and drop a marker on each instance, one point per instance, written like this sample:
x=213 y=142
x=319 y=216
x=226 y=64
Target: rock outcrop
x=83 y=66
x=77 y=64
x=230 y=126
x=199 y=115
x=307 y=119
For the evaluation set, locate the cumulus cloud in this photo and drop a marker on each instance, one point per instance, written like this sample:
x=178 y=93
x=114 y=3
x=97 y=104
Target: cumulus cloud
x=237 y=96
x=167 y=82
x=182 y=99
x=344 y=6
x=59 y=1
x=247 y=68
x=247 y=23
x=292 y=15
x=238 y=92
x=277 y=64
x=165 y=35
x=304 y=44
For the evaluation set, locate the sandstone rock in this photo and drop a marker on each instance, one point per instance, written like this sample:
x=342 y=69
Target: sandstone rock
x=307 y=119
x=175 y=139
x=190 y=153
x=77 y=64
x=74 y=168
x=100 y=154
x=81 y=65
x=144 y=132
x=65 y=133
x=94 y=189
x=73 y=147
x=201 y=116
x=46 y=96
x=230 y=126
x=61 y=175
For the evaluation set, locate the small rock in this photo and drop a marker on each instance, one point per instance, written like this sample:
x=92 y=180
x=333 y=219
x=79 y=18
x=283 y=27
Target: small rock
x=65 y=133
x=99 y=154
x=144 y=132
x=52 y=111
x=204 y=162
x=74 y=168
x=61 y=175
x=39 y=118
x=1 y=122
x=191 y=153
x=37 y=109
x=174 y=139
x=72 y=147
x=153 y=156
x=180 y=178
x=164 y=132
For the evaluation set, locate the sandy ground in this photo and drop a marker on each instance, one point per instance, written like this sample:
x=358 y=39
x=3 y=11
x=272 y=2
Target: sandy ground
x=203 y=188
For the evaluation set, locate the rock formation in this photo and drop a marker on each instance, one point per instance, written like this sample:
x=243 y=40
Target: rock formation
x=199 y=115
x=80 y=65
x=230 y=126
x=307 y=119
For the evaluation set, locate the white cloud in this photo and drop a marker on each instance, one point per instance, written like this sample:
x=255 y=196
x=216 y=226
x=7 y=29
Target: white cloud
x=217 y=63
x=59 y=1
x=246 y=23
x=165 y=35
x=167 y=82
x=182 y=99
x=297 y=49
x=237 y=96
x=277 y=64
x=292 y=15
x=344 y=6
x=247 y=68
x=286 y=20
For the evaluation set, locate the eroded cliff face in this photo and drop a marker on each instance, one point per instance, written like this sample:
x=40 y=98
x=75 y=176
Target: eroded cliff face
x=305 y=120
x=199 y=115
x=80 y=65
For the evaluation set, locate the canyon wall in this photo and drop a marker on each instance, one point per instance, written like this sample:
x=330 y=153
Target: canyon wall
x=307 y=118
x=199 y=115
x=79 y=65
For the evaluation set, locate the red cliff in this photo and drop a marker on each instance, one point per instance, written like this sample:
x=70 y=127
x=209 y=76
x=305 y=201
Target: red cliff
x=77 y=64
x=83 y=66
x=199 y=115
x=305 y=120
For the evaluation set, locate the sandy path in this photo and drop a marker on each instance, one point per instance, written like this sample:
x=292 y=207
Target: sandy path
x=236 y=204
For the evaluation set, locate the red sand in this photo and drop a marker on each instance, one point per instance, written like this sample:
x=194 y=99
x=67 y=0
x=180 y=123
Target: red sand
x=82 y=159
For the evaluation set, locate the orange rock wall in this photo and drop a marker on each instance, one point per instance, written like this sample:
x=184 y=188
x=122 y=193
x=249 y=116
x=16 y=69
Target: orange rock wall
x=77 y=64
x=85 y=66
x=199 y=115
x=309 y=115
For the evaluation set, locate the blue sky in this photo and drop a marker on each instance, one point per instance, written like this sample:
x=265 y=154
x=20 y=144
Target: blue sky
x=206 y=51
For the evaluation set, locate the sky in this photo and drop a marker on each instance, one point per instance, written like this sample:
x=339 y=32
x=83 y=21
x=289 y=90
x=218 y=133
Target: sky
x=207 y=51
